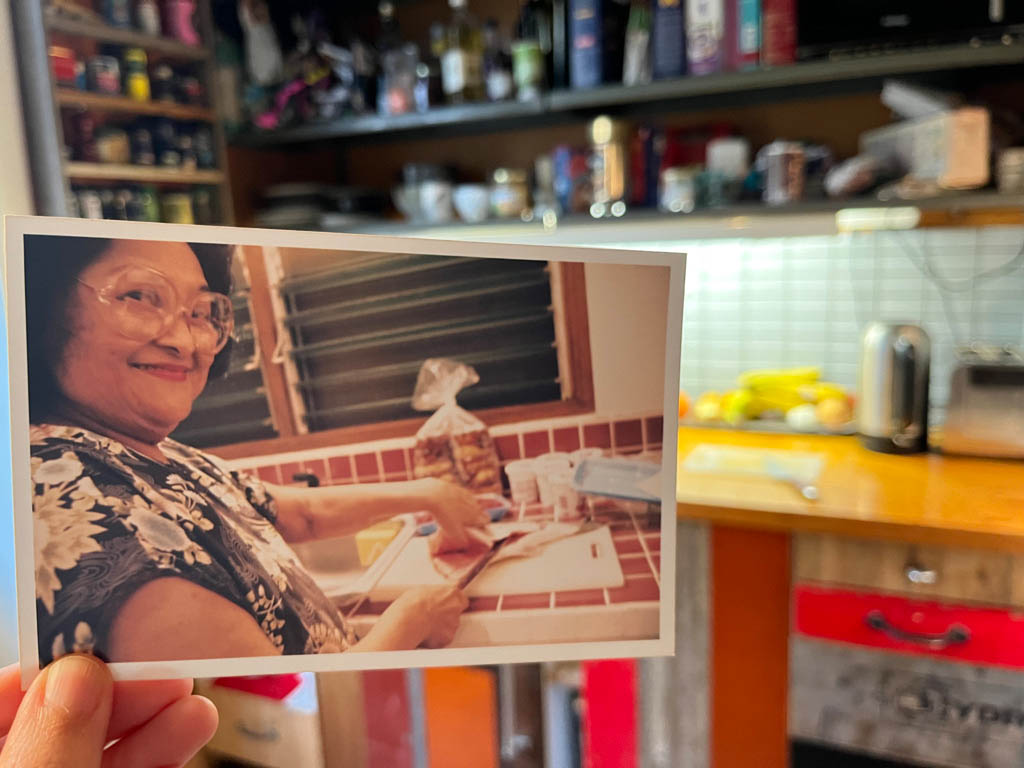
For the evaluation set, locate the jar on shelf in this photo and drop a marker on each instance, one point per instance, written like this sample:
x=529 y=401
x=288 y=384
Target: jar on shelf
x=147 y=16
x=510 y=195
x=117 y=13
x=113 y=146
x=677 y=189
x=136 y=78
x=62 y=62
x=104 y=75
x=176 y=208
x=1010 y=171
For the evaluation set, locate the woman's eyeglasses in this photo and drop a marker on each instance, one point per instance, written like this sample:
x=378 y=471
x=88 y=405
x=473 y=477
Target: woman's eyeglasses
x=144 y=305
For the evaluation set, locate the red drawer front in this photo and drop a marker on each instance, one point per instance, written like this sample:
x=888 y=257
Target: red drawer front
x=979 y=635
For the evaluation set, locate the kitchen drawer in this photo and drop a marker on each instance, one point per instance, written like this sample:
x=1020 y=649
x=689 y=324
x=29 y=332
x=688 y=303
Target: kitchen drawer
x=965 y=575
x=890 y=622
x=264 y=731
x=907 y=708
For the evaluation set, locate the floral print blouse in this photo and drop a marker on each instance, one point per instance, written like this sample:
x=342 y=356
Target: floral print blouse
x=109 y=520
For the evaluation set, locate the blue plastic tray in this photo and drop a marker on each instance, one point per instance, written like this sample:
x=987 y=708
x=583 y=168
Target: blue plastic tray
x=615 y=478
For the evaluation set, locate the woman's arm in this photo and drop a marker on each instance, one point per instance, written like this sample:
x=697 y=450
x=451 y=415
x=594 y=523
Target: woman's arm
x=340 y=510
x=173 y=619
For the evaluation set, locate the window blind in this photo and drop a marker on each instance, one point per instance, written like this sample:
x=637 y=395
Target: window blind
x=233 y=408
x=361 y=329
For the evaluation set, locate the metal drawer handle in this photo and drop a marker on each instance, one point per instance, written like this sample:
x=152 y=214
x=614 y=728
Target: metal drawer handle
x=270 y=734
x=957 y=634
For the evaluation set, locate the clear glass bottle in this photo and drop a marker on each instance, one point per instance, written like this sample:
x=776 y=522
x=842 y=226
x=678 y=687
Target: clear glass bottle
x=497 y=63
x=462 y=64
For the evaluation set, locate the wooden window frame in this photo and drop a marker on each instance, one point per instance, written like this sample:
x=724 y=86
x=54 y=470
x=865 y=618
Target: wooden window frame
x=570 y=284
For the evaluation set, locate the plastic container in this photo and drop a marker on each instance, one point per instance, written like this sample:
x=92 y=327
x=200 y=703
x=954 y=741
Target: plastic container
x=522 y=481
x=564 y=497
x=578 y=457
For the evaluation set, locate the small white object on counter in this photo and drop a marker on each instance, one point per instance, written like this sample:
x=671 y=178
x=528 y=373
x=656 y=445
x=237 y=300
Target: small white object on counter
x=522 y=481
x=578 y=457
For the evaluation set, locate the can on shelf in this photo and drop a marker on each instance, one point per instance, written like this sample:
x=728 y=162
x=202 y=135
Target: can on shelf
x=784 y=173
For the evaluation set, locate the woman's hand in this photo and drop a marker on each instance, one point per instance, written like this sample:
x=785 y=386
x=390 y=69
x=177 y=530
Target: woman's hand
x=435 y=610
x=455 y=509
x=422 y=616
x=72 y=709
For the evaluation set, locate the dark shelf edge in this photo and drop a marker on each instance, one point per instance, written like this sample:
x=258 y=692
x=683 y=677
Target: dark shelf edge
x=560 y=104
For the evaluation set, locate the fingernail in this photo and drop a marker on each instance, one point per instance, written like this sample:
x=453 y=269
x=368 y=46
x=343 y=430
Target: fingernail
x=75 y=683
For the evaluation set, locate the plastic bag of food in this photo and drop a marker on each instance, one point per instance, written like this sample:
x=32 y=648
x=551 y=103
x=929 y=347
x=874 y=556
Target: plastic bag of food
x=452 y=445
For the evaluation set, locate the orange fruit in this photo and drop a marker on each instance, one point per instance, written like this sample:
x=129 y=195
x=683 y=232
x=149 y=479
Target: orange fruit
x=684 y=405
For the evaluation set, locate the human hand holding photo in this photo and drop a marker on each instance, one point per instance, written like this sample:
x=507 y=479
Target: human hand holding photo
x=73 y=709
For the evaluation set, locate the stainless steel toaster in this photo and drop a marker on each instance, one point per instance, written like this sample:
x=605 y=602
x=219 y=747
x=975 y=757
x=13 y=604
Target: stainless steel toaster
x=985 y=416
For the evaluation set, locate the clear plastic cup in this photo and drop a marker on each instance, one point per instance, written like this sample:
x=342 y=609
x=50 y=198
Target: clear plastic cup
x=553 y=461
x=522 y=481
x=565 y=498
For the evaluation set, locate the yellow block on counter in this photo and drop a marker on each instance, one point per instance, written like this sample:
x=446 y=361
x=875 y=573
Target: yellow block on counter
x=372 y=541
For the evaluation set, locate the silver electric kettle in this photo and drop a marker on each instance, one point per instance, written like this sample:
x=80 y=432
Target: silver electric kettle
x=892 y=404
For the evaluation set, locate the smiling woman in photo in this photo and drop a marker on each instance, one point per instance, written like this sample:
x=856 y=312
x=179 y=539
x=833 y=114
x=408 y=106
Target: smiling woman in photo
x=146 y=549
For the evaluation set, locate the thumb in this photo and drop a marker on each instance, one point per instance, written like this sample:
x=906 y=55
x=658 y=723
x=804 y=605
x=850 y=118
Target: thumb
x=63 y=718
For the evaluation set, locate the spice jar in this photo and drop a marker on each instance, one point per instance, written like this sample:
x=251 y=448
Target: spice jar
x=509 y=193
x=608 y=167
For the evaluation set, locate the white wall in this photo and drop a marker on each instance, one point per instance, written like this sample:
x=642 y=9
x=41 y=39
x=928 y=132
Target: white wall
x=15 y=197
x=627 y=308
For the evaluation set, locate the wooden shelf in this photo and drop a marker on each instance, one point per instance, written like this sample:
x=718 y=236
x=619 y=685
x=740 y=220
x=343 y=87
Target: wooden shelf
x=123 y=104
x=747 y=220
x=107 y=34
x=806 y=79
x=143 y=174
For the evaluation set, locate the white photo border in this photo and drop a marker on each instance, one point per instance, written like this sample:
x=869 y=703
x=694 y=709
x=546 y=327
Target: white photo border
x=15 y=230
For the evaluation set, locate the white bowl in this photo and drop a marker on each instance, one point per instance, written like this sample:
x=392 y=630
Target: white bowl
x=472 y=202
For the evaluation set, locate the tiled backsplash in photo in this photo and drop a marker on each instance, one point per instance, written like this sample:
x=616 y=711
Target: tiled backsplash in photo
x=781 y=302
x=390 y=460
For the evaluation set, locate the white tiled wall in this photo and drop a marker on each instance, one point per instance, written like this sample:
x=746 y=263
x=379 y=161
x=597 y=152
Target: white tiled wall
x=805 y=300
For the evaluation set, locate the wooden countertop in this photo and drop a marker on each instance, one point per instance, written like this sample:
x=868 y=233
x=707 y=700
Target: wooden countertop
x=927 y=498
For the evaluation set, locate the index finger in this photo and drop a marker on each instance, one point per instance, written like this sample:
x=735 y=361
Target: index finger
x=135 y=701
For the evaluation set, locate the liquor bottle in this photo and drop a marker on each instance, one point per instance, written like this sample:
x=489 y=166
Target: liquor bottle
x=497 y=63
x=462 y=63
x=389 y=39
x=532 y=54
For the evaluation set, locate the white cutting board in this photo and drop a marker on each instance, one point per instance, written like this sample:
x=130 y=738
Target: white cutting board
x=584 y=561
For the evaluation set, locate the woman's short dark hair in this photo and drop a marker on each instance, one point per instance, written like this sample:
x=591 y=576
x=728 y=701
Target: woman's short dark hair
x=52 y=266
